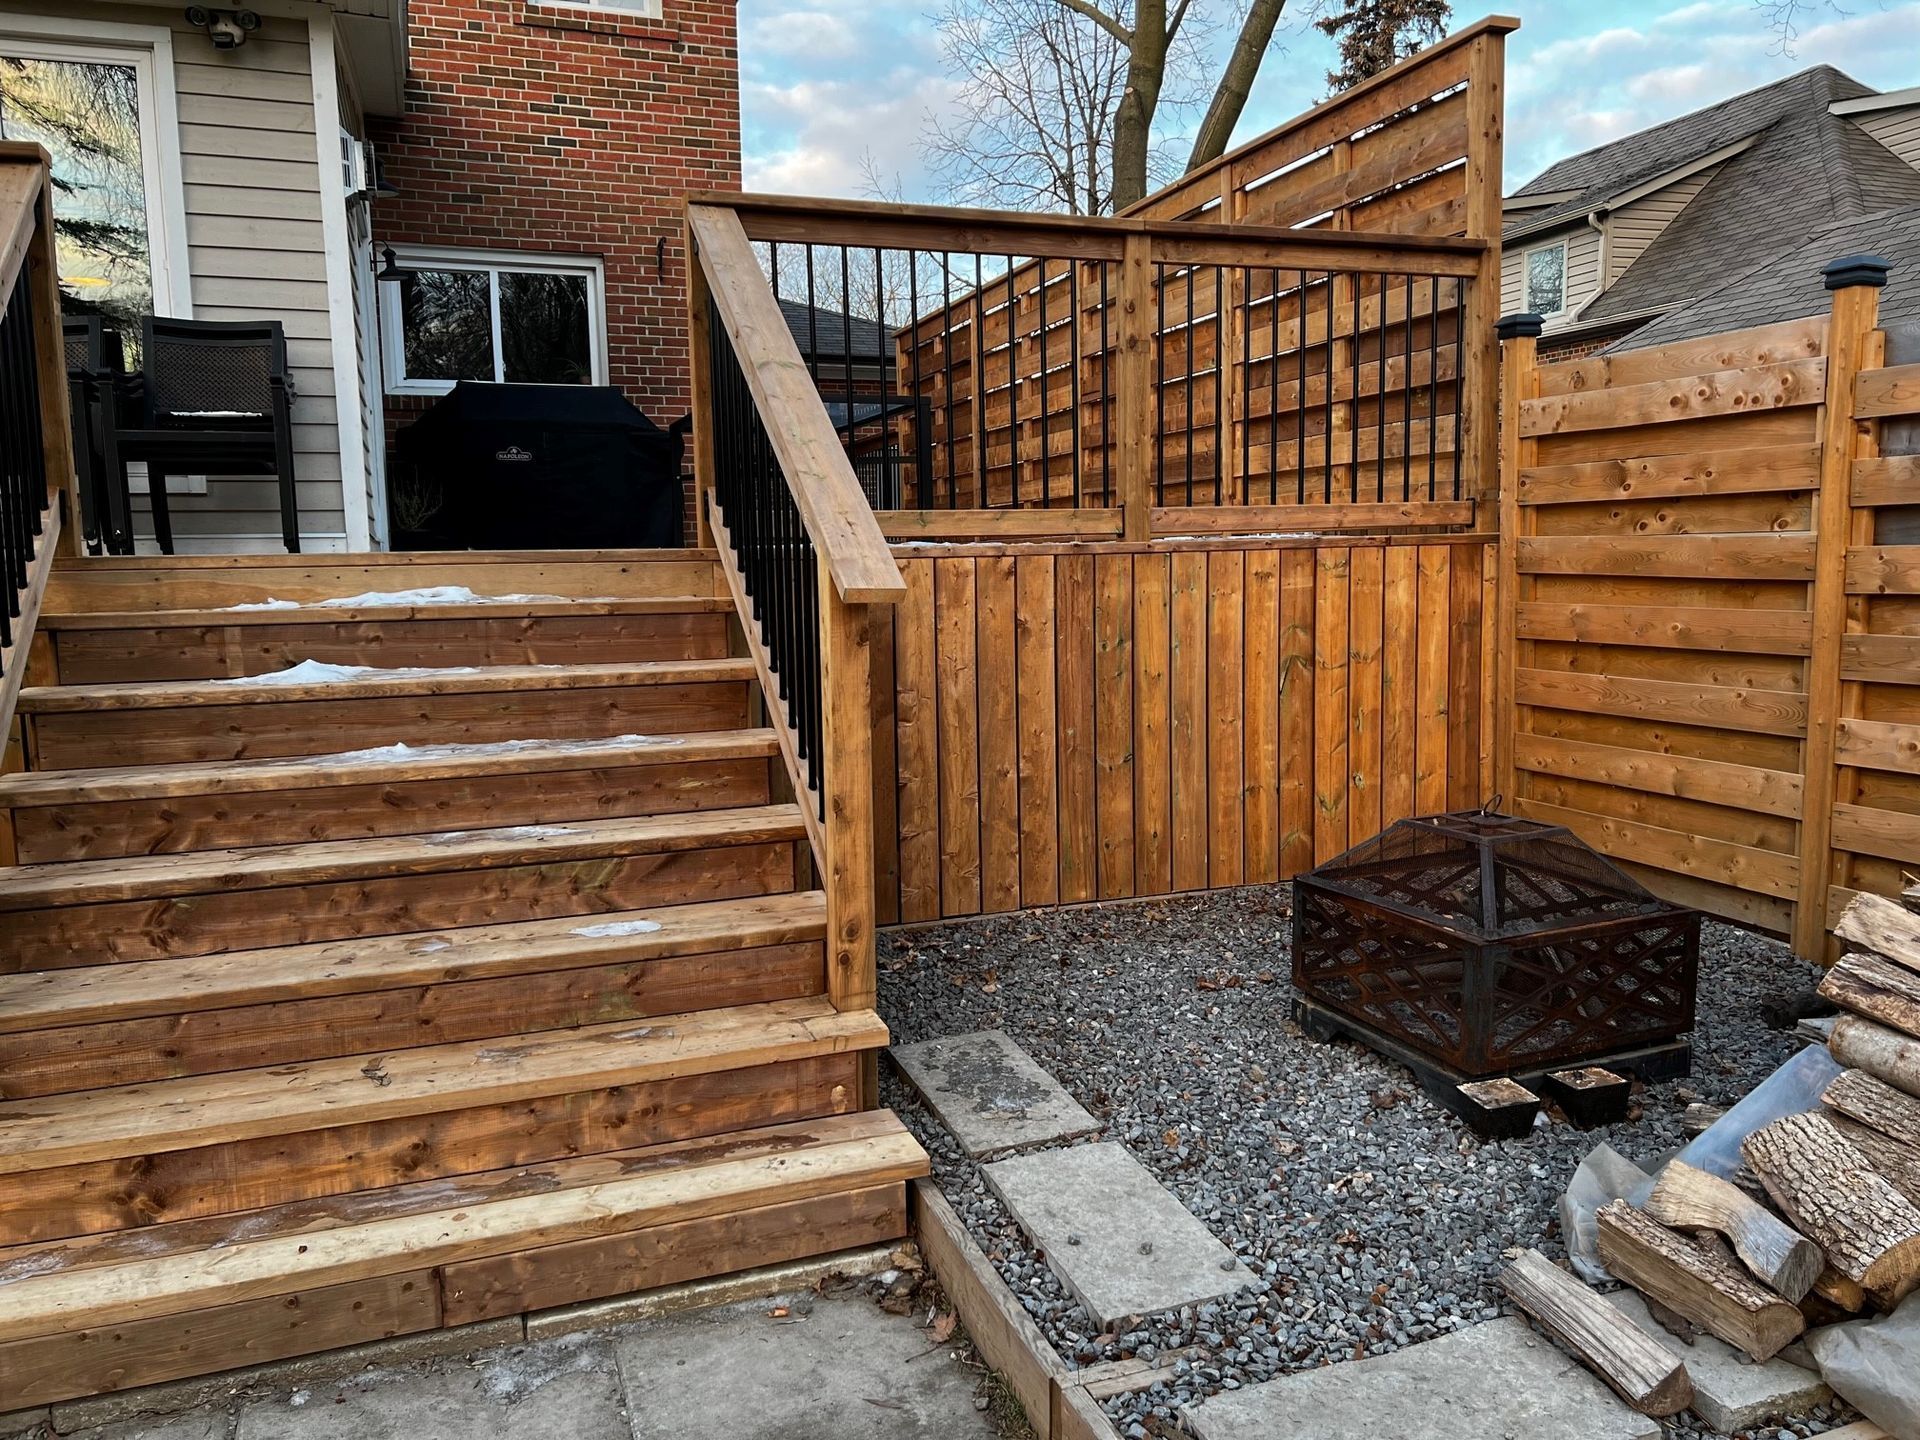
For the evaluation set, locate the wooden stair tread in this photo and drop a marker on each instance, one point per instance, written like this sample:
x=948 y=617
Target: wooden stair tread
x=304 y=1246
x=454 y=680
x=96 y=994
x=76 y=882
x=134 y=1120
x=357 y=767
x=309 y=613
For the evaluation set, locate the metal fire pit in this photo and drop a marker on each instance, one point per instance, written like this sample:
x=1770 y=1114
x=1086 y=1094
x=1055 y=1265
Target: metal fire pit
x=1478 y=944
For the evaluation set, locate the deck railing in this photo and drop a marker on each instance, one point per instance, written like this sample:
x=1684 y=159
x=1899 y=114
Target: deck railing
x=36 y=458
x=805 y=562
x=996 y=374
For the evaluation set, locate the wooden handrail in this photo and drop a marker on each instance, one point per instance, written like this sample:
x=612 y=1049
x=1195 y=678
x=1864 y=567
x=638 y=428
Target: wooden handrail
x=1078 y=237
x=27 y=265
x=839 y=521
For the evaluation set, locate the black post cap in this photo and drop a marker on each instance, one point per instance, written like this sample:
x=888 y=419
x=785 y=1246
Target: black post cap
x=1525 y=325
x=1851 y=270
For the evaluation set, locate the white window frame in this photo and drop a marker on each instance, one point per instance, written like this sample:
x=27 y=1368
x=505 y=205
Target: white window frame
x=639 y=9
x=1526 y=276
x=393 y=347
x=148 y=49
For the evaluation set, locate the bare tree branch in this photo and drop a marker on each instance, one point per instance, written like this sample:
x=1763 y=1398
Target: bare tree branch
x=1236 y=81
x=1090 y=11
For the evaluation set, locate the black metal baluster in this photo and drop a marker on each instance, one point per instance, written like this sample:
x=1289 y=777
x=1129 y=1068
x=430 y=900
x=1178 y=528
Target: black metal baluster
x=922 y=451
x=1459 y=313
x=1160 y=384
x=1073 y=353
x=946 y=367
x=979 y=381
x=1406 y=396
x=1433 y=383
x=1013 y=388
x=1380 y=402
x=1189 y=385
x=1300 y=399
x=1106 y=397
x=1046 y=415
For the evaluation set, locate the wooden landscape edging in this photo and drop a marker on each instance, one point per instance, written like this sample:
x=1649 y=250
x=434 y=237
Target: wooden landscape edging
x=1709 y=619
x=1056 y=1405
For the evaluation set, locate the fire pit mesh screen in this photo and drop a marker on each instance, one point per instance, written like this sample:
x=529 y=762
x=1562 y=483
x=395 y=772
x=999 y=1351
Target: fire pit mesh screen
x=1493 y=943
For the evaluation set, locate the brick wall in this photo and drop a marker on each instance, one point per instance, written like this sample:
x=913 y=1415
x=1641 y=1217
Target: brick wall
x=1580 y=346
x=559 y=131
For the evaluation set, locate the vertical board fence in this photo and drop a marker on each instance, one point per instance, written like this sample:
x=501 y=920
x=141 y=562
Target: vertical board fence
x=1072 y=722
x=1710 y=643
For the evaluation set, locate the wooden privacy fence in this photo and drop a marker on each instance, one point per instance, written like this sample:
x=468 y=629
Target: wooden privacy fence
x=1710 y=636
x=1062 y=722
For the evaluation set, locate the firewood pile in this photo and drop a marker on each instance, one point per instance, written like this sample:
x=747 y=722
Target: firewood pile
x=1815 y=1218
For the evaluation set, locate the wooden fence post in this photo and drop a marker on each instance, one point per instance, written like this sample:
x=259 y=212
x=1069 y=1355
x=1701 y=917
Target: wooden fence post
x=1855 y=282
x=1133 y=387
x=1478 y=446
x=1519 y=337
x=700 y=400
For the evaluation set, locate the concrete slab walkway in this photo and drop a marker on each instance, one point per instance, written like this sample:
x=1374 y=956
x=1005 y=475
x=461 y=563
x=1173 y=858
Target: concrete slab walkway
x=1112 y=1233
x=1495 y=1381
x=990 y=1094
x=831 y=1368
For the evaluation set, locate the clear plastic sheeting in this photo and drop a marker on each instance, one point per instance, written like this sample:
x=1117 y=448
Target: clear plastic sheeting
x=1874 y=1365
x=1603 y=1176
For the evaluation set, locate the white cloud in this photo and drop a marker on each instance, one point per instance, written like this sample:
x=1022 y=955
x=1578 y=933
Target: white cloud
x=804 y=36
x=825 y=129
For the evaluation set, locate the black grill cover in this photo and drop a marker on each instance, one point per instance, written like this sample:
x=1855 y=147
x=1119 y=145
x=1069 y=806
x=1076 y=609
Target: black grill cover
x=536 y=467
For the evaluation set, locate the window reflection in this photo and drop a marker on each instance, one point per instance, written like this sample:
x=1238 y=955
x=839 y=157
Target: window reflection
x=447 y=320
x=543 y=328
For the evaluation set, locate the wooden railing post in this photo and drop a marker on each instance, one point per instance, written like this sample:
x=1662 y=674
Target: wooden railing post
x=1519 y=356
x=846 y=662
x=1480 y=382
x=1133 y=388
x=1855 y=282
x=700 y=395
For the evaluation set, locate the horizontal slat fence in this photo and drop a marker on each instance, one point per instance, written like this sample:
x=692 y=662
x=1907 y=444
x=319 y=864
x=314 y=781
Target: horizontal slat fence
x=1711 y=647
x=1073 y=722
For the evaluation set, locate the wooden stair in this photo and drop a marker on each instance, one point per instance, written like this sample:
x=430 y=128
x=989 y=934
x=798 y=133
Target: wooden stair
x=491 y=980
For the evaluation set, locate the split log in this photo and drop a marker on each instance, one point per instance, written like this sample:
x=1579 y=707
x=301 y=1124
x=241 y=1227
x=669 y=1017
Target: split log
x=1778 y=1255
x=1695 y=1280
x=1892 y=1112
x=1700 y=1118
x=1638 y=1368
x=1876 y=987
x=1869 y=1230
x=1876 y=923
x=1884 y=1054
x=1895 y=1160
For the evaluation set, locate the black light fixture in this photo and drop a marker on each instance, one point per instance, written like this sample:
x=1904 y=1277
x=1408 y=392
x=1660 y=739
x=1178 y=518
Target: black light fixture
x=384 y=189
x=389 y=266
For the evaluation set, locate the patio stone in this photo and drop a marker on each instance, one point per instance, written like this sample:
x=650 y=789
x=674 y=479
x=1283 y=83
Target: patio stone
x=1112 y=1233
x=990 y=1094
x=1730 y=1392
x=565 y=1389
x=829 y=1369
x=1497 y=1381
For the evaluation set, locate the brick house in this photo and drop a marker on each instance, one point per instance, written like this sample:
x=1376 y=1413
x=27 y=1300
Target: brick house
x=541 y=163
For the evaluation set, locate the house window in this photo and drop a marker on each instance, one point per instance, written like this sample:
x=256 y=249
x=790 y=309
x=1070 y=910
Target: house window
x=646 y=9
x=1546 y=278
x=96 y=110
x=464 y=315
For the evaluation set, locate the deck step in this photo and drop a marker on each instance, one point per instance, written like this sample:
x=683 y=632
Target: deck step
x=185 y=721
x=109 y=1025
x=117 y=646
x=144 y=907
x=417 y=1256
x=138 y=1120
x=387 y=790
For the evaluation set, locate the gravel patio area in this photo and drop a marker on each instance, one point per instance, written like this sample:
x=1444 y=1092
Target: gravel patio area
x=1375 y=1218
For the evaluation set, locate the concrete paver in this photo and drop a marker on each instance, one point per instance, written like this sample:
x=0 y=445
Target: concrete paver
x=845 y=1370
x=1112 y=1233
x=1730 y=1392
x=990 y=1094
x=1495 y=1381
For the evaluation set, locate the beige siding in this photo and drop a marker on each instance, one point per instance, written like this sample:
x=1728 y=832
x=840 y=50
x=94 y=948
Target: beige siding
x=1632 y=228
x=1583 y=272
x=250 y=181
x=1898 y=130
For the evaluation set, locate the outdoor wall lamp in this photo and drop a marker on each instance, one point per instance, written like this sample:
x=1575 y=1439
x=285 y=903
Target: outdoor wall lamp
x=227 y=29
x=389 y=266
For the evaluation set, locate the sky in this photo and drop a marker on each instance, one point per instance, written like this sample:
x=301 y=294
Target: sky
x=827 y=85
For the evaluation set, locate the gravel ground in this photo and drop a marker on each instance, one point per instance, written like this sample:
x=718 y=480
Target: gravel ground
x=1374 y=1217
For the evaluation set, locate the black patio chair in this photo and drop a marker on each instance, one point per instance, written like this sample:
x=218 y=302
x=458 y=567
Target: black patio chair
x=96 y=372
x=215 y=399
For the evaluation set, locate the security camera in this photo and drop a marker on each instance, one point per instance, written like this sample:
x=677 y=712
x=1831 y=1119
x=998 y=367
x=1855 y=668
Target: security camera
x=227 y=29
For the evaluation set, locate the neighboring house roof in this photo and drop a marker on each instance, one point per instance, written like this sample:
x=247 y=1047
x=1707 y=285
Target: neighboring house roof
x=1787 y=165
x=820 y=332
x=1788 y=286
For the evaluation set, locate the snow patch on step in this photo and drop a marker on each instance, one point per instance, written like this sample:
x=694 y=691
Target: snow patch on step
x=421 y=595
x=321 y=672
x=454 y=750
x=616 y=927
x=505 y=832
